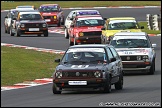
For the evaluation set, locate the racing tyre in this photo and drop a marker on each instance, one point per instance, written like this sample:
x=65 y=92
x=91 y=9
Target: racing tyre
x=152 y=69
x=8 y=30
x=17 y=33
x=62 y=23
x=119 y=84
x=46 y=33
x=11 y=33
x=66 y=34
x=5 y=30
x=70 y=42
x=107 y=86
x=59 y=24
x=55 y=89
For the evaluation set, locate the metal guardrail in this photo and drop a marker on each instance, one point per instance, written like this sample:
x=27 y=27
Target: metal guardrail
x=153 y=21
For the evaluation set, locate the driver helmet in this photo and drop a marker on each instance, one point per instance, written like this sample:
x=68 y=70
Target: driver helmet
x=121 y=41
x=77 y=55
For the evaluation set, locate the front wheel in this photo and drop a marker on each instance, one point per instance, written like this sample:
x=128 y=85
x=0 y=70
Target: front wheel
x=66 y=34
x=119 y=84
x=70 y=42
x=55 y=89
x=107 y=86
x=17 y=33
x=46 y=33
x=152 y=69
x=11 y=33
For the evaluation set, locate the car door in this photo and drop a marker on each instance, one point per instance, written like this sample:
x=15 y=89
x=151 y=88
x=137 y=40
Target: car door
x=112 y=67
x=118 y=62
x=68 y=21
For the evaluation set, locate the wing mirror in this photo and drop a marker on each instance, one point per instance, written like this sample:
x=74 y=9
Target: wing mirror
x=103 y=28
x=153 y=45
x=57 y=60
x=113 y=59
x=142 y=27
x=72 y=25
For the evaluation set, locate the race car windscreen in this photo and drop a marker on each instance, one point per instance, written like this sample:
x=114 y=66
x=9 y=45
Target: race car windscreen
x=118 y=25
x=84 y=55
x=30 y=17
x=48 y=9
x=90 y=22
x=130 y=43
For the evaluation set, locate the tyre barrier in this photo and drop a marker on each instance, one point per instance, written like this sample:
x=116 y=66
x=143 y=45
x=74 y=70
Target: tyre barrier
x=153 y=21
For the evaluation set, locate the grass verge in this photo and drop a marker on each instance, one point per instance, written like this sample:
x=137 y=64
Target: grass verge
x=67 y=4
x=147 y=30
x=18 y=65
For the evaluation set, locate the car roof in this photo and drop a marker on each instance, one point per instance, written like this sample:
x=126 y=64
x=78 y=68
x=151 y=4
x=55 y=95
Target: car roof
x=130 y=33
x=121 y=18
x=81 y=12
x=27 y=12
x=88 y=17
x=48 y=4
x=25 y=6
x=90 y=46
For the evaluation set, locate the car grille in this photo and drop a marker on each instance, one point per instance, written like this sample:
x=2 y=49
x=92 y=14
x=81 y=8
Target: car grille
x=94 y=33
x=33 y=25
x=78 y=74
x=47 y=17
x=129 y=58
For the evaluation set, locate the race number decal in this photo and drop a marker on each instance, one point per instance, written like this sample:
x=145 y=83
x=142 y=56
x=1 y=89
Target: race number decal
x=128 y=52
x=79 y=66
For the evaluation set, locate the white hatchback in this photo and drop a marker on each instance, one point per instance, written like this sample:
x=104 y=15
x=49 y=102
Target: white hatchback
x=135 y=50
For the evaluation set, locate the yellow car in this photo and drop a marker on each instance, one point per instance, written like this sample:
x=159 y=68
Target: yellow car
x=118 y=24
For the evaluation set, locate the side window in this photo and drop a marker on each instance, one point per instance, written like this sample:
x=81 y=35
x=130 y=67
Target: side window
x=74 y=14
x=115 y=54
x=110 y=55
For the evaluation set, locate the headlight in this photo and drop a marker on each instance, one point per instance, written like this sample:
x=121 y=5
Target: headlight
x=22 y=25
x=58 y=74
x=145 y=58
x=44 y=25
x=97 y=74
x=138 y=57
x=55 y=17
x=81 y=34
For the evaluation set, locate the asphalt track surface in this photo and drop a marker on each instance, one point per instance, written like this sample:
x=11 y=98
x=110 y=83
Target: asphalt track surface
x=138 y=88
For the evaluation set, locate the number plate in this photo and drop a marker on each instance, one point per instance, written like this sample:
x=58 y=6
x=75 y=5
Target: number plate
x=33 y=29
x=128 y=52
x=77 y=82
x=47 y=20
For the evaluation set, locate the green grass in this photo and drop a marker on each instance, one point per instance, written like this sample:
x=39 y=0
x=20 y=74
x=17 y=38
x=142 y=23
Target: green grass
x=67 y=4
x=18 y=65
x=147 y=30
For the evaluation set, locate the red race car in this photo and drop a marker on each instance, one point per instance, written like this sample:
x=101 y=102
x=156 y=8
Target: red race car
x=85 y=29
x=52 y=14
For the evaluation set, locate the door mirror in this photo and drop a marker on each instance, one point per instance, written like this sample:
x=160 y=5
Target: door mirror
x=142 y=27
x=153 y=45
x=113 y=59
x=72 y=25
x=14 y=18
x=71 y=18
x=103 y=28
x=57 y=60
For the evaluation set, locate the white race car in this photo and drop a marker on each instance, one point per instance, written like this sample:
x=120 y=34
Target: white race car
x=135 y=50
